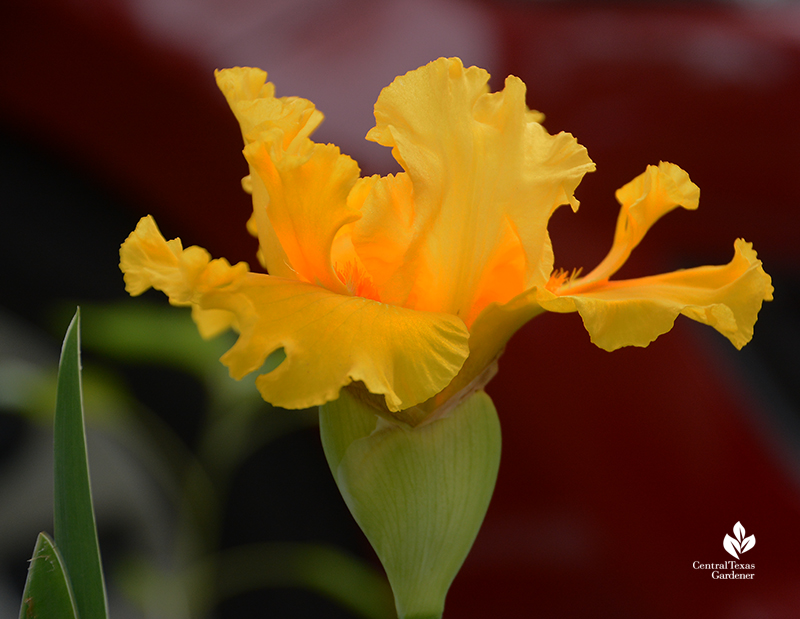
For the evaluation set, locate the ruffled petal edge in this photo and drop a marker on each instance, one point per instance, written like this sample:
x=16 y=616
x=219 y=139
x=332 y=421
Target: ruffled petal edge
x=635 y=312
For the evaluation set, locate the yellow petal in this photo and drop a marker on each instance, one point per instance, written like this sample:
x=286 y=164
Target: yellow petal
x=486 y=177
x=299 y=188
x=644 y=200
x=382 y=236
x=286 y=120
x=270 y=251
x=305 y=198
x=331 y=340
x=281 y=125
x=148 y=260
x=635 y=312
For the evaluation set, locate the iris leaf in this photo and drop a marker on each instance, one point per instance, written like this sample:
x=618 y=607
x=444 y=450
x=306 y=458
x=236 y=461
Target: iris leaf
x=47 y=591
x=74 y=523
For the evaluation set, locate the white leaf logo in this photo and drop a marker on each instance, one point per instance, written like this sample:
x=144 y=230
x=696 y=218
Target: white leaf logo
x=731 y=545
x=740 y=544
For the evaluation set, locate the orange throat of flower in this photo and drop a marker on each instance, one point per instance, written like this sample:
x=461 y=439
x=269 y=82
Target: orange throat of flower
x=561 y=277
x=358 y=282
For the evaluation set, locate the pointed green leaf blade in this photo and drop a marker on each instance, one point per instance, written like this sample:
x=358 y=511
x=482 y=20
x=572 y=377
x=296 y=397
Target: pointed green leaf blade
x=75 y=530
x=47 y=593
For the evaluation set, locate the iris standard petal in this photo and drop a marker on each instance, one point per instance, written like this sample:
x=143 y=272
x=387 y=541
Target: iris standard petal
x=271 y=254
x=306 y=203
x=281 y=125
x=331 y=340
x=485 y=177
x=382 y=237
x=287 y=120
x=635 y=312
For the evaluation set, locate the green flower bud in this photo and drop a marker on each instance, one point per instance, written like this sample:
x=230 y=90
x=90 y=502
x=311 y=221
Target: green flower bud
x=419 y=494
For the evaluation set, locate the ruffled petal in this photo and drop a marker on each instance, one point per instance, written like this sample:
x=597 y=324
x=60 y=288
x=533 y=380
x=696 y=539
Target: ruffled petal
x=331 y=340
x=271 y=254
x=382 y=237
x=305 y=198
x=647 y=198
x=262 y=115
x=299 y=188
x=635 y=312
x=281 y=125
x=486 y=177
x=148 y=260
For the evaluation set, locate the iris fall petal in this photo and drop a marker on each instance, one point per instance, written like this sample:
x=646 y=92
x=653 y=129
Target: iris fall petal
x=635 y=312
x=329 y=339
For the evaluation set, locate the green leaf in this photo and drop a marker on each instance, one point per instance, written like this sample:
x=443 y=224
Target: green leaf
x=47 y=593
x=75 y=530
x=419 y=494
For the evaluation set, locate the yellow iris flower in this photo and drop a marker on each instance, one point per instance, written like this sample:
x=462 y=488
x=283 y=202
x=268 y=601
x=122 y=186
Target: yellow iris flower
x=407 y=287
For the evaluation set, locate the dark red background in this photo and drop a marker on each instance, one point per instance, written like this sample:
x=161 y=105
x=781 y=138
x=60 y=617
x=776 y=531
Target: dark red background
x=619 y=470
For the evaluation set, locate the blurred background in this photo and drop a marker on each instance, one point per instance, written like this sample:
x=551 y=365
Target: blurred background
x=619 y=470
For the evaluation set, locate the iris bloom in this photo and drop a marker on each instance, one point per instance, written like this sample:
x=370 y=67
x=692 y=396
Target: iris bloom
x=405 y=288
